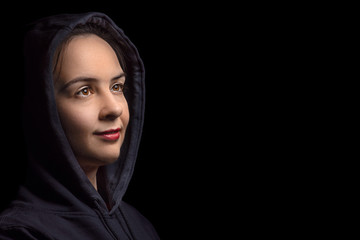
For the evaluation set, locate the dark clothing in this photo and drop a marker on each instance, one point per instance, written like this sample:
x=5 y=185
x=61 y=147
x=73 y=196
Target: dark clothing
x=57 y=201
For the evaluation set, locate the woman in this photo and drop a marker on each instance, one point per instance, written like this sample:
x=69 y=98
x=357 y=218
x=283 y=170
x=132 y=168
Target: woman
x=83 y=117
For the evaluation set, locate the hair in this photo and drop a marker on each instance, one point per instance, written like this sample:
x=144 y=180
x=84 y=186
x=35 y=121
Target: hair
x=106 y=33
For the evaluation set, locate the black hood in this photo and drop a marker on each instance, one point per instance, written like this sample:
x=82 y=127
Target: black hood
x=57 y=200
x=54 y=174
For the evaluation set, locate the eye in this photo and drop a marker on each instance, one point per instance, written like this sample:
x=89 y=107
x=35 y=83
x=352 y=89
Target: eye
x=118 y=87
x=84 y=92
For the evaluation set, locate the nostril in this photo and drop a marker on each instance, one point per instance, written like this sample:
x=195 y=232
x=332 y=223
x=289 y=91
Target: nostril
x=111 y=117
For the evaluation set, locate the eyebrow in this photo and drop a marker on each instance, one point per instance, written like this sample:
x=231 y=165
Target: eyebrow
x=88 y=79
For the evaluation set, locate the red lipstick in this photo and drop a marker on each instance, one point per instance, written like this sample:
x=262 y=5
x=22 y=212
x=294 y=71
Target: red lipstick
x=111 y=134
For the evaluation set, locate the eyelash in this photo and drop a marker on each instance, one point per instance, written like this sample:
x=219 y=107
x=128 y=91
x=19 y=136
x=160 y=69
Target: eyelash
x=121 y=87
x=87 y=91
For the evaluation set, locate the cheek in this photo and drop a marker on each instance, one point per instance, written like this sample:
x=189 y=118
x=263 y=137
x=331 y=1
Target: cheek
x=76 y=121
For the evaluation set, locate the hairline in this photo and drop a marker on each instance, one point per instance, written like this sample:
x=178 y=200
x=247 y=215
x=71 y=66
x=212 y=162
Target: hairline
x=58 y=54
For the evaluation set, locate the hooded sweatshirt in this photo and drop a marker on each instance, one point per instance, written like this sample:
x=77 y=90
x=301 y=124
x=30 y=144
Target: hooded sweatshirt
x=57 y=200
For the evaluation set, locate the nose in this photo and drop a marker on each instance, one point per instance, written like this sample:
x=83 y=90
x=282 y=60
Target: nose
x=111 y=107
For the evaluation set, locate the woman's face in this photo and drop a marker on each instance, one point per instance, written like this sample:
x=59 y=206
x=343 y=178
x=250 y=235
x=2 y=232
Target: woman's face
x=91 y=105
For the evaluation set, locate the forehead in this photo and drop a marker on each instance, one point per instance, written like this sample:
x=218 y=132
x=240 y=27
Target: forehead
x=88 y=55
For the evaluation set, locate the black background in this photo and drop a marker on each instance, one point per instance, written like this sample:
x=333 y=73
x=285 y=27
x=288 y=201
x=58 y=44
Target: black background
x=183 y=166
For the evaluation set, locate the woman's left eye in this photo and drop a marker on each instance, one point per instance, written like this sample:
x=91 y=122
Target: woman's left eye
x=117 y=87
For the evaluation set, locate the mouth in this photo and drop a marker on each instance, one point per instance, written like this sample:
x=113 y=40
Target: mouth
x=110 y=135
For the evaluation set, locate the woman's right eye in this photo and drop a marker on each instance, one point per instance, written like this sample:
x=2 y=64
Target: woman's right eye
x=84 y=92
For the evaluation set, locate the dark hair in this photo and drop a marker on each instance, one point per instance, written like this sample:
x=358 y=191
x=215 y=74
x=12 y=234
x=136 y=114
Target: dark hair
x=106 y=33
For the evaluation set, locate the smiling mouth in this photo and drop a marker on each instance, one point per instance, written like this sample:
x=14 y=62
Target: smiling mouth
x=110 y=135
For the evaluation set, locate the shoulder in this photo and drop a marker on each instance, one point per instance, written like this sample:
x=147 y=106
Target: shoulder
x=133 y=214
x=21 y=232
x=137 y=221
x=15 y=223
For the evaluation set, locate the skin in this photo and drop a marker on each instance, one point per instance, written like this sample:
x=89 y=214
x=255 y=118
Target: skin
x=89 y=98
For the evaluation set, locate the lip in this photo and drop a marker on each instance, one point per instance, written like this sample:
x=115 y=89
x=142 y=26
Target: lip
x=110 y=134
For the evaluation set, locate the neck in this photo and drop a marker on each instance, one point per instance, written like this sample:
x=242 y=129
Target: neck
x=91 y=172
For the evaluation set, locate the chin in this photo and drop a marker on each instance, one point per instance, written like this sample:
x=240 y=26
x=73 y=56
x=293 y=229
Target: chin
x=100 y=155
x=109 y=157
x=108 y=153
x=100 y=158
x=109 y=160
